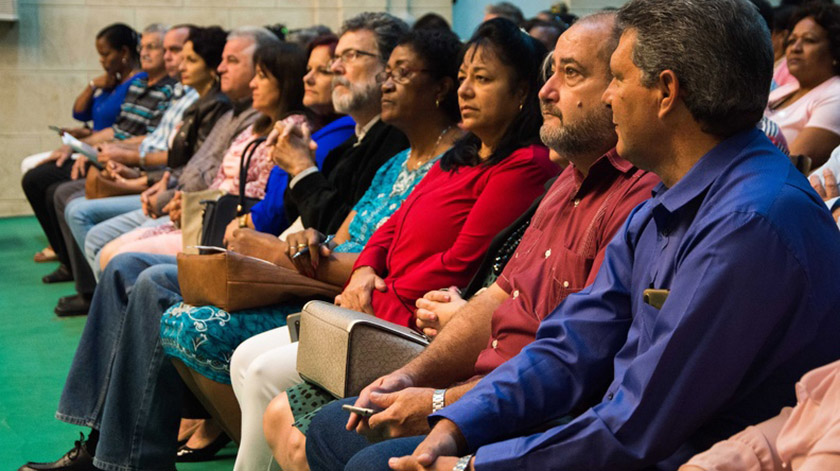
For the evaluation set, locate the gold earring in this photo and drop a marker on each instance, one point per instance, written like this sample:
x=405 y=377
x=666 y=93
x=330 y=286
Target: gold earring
x=520 y=106
x=437 y=102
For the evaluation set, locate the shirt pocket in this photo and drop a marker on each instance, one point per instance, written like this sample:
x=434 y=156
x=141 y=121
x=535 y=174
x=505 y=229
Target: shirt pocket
x=568 y=274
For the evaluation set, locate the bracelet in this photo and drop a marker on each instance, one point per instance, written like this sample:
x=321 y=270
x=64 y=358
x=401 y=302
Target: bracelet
x=462 y=463
x=142 y=159
x=438 y=400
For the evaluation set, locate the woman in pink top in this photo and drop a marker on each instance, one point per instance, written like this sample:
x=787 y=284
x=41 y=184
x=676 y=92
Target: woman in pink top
x=809 y=113
x=802 y=438
x=277 y=90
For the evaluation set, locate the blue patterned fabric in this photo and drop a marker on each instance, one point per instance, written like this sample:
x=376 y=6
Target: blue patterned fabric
x=205 y=337
x=391 y=185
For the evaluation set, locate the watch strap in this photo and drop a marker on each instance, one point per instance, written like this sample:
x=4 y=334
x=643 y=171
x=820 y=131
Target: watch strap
x=438 y=400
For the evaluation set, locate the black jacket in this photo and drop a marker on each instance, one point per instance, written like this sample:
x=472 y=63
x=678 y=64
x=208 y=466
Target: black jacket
x=323 y=199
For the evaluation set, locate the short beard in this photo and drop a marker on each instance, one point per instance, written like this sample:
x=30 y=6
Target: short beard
x=360 y=96
x=594 y=132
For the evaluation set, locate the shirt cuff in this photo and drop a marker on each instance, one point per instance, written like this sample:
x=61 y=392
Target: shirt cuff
x=302 y=175
x=833 y=203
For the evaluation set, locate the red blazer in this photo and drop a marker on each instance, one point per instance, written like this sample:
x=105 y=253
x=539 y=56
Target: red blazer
x=439 y=235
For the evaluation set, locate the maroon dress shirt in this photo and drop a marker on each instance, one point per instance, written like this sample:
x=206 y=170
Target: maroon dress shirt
x=437 y=238
x=562 y=249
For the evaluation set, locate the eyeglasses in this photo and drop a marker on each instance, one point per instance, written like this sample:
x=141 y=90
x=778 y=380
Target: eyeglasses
x=400 y=75
x=547 y=69
x=349 y=55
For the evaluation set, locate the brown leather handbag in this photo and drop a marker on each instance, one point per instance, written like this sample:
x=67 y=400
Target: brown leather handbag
x=97 y=186
x=233 y=282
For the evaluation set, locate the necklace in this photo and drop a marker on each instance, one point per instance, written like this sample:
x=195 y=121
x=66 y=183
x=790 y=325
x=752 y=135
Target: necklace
x=437 y=143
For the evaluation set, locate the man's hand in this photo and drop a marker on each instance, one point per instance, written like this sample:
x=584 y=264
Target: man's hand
x=78 y=133
x=439 y=451
x=149 y=197
x=404 y=414
x=173 y=208
x=292 y=147
x=112 y=151
x=389 y=383
x=257 y=244
x=827 y=191
x=357 y=294
x=307 y=262
x=436 y=308
x=117 y=171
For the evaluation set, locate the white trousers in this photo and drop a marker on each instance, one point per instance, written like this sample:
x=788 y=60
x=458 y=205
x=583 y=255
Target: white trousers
x=33 y=160
x=261 y=368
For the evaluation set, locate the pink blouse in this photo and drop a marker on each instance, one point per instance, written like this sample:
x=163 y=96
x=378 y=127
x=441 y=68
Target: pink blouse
x=227 y=179
x=802 y=438
x=819 y=108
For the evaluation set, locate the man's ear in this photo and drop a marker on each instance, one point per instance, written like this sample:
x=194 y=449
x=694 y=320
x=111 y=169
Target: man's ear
x=669 y=91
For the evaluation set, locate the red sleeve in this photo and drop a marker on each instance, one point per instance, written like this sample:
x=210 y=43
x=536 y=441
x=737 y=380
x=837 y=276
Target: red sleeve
x=511 y=188
x=375 y=253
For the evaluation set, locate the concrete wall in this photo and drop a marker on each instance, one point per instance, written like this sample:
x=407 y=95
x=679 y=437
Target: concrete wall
x=48 y=56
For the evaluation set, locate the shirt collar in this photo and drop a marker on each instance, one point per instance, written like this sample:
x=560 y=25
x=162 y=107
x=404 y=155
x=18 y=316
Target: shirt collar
x=708 y=169
x=361 y=131
x=604 y=165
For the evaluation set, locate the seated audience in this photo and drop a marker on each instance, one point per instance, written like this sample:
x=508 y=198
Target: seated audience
x=566 y=240
x=544 y=31
x=809 y=113
x=419 y=98
x=146 y=99
x=277 y=91
x=801 y=438
x=123 y=326
x=660 y=357
x=100 y=101
x=505 y=10
x=236 y=70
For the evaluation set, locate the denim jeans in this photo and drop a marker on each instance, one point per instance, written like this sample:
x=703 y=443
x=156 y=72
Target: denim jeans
x=330 y=447
x=119 y=382
x=82 y=214
x=106 y=231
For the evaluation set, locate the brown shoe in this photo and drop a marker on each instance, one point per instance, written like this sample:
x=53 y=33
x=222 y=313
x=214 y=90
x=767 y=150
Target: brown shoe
x=46 y=255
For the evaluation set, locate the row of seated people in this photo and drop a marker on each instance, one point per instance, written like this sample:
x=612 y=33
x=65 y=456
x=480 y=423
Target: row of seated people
x=643 y=385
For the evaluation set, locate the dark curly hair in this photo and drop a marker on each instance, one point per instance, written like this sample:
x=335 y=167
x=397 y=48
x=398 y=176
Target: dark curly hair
x=208 y=43
x=828 y=17
x=524 y=56
x=439 y=50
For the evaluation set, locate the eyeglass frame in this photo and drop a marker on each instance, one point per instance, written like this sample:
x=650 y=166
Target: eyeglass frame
x=349 y=55
x=388 y=73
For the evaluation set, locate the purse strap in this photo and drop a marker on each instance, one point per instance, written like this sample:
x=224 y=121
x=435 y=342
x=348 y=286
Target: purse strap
x=244 y=165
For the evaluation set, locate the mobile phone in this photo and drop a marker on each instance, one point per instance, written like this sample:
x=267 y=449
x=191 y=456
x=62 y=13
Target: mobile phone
x=363 y=411
x=56 y=129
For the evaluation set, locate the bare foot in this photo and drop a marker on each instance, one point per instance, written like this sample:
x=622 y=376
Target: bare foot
x=188 y=428
x=204 y=434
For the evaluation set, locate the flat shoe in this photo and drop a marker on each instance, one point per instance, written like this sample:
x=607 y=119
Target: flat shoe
x=192 y=455
x=61 y=274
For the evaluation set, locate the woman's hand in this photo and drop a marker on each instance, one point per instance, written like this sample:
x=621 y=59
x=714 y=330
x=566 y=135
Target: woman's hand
x=59 y=156
x=256 y=244
x=105 y=81
x=357 y=294
x=307 y=261
x=292 y=147
x=173 y=208
x=436 y=308
x=79 y=168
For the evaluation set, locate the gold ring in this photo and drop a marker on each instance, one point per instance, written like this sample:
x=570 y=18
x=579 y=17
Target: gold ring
x=300 y=246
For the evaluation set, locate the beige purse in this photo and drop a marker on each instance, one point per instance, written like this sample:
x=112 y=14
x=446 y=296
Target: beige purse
x=343 y=351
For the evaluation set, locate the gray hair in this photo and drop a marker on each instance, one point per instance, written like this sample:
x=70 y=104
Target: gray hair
x=506 y=10
x=156 y=28
x=608 y=17
x=261 y=36
x=388 y=29
x=720 y=51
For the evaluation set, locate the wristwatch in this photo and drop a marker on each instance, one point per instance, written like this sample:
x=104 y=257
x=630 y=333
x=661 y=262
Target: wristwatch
x=243 y=220
x=462 y=463
x=438 y=400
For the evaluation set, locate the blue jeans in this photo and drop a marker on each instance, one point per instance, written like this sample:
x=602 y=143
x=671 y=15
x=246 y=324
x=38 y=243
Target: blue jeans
x=82 y=214
x=330 y=447
x=119 y=382
x=110 y=229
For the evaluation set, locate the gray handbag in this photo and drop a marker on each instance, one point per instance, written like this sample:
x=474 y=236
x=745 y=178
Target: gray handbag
x=342 y=351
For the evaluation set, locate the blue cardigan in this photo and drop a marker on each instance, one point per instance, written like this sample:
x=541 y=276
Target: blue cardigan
x=269 y=215
x=106 y=105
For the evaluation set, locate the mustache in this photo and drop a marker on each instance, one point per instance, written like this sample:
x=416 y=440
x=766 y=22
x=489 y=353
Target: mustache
x=548 y=108
x=340 y=81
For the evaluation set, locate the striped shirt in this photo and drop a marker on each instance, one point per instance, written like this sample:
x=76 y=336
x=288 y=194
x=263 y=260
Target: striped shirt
x=158 y=140
x=143 y=107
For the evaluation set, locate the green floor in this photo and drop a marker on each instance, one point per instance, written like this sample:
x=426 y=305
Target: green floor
x=36 y=348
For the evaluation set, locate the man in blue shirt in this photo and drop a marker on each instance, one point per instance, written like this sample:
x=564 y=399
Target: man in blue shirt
x=715 y=297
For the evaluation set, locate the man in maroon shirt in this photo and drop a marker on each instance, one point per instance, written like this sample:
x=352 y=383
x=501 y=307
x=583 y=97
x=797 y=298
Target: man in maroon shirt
x=559 y=254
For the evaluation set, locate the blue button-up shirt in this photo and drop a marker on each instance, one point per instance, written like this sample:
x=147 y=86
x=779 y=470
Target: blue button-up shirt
x=751 y=258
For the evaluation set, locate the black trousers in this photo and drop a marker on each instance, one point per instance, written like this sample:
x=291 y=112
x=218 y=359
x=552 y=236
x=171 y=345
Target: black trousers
x=82 y=273
x=39 y=185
